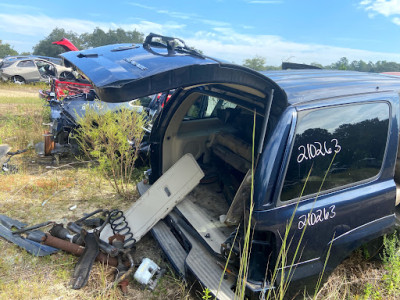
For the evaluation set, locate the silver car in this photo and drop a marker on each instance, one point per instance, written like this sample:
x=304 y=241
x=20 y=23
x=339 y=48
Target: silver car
x=27 y=70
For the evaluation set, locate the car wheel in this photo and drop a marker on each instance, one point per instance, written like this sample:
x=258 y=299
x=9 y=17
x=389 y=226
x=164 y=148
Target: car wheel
x=17 y=79
x=67 y=76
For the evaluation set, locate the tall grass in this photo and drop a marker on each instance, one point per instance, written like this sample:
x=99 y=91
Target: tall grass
x=246 y=251
x=282 y=263
x=279 y=274
x=21 y=118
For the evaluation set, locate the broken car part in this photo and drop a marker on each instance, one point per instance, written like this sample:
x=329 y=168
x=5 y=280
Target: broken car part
x=61 y=89
x=161 y=198
x=29 y=228
x=107 y=248
x=6 y=231
x=119 y=226
x=76 y=249
x=122 y=271
x=148 y=273
x=85 y=262
x=65 y=115
x=59 y=231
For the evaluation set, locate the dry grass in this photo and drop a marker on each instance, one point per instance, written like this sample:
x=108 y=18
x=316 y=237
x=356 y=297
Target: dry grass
x=41 y=191
x=21 y=117
x=350 y=279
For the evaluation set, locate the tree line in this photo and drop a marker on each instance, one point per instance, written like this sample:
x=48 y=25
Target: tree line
x=258 y=63
x=86 y=40
x=100 y=37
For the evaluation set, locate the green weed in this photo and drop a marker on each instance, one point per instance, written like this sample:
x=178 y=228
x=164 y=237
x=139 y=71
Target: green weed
x=206 y=294
x=113 y=139
x=391 y=264
x=371 y=292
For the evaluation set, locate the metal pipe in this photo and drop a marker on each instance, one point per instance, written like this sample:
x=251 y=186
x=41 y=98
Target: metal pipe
x=75 y=249
x=25 y=229
x=109 y=249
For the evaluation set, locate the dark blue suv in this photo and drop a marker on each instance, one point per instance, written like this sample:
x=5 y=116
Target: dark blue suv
x=319 y=146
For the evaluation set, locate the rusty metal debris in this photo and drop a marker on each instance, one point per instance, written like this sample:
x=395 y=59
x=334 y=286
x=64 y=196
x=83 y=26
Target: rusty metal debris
x=78 y=239
x=30 y=244
x=76 y=249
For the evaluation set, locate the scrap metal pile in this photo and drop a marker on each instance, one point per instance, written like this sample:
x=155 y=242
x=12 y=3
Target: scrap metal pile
x=82 y=238
x=87 y=236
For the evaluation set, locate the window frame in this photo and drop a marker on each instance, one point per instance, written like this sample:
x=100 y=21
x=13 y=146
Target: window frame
x=290 y=145
x=24 y=61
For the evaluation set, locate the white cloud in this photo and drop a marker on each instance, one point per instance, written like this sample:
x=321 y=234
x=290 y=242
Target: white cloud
x=33 y=25
x=247 y=27
x=383 y=7
x=265 y=2
x=19 y=7
x=396 y=20
x=174 y=14
x=193 y=17
x=236 y=47
x=42 y=25
x=142 y=5
x=220 y=41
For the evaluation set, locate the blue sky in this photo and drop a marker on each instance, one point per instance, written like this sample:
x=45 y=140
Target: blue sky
x=302 y=31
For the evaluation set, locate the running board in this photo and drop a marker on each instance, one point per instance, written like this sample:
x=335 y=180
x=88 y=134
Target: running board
x=206 y=228
x=198 y=261
x=205 y=268
x=170 y=246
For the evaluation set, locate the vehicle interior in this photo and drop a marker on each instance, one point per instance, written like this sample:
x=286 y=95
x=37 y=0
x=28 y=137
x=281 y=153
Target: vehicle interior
x=45 y=69
x=215 y=124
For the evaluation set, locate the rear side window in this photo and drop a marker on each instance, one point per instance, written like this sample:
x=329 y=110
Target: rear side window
x=350 y=139
x=26 y=64
x=207 y=107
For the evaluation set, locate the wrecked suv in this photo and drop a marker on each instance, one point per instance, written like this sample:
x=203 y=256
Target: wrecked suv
x=319 y=148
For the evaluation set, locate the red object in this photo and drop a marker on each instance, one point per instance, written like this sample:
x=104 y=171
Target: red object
x=158 y=98
x=67 y=88
x=61 y=89
x=66 y=44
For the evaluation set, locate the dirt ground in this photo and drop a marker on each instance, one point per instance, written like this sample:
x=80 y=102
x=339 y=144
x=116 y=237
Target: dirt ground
x=44 y=189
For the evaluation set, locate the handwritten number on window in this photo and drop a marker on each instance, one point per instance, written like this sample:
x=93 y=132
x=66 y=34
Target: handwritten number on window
x=316 y=149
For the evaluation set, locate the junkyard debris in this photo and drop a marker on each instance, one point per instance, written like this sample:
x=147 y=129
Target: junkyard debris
x=148 y=273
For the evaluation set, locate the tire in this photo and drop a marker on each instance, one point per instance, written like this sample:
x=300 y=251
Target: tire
x=17 y=79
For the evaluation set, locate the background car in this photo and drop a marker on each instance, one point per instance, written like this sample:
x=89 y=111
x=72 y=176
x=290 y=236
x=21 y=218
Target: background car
x=32 y=69
x=54 y=60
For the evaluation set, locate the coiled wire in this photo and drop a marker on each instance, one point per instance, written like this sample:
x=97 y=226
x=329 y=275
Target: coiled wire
x=119 y=225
